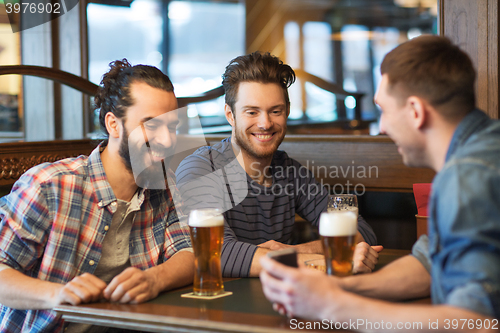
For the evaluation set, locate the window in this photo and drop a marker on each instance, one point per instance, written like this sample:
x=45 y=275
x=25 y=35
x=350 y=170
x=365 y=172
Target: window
x=203 y=38
x=347 y=47
x=114 y=33
x=10 y=85
x=192 y=43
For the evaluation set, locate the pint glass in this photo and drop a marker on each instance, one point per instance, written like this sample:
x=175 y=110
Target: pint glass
x=207 y=233
x=338 y=229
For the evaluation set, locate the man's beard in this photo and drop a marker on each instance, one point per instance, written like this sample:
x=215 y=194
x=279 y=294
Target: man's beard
x=245 y=144
x=124 y=151
x=151 y=176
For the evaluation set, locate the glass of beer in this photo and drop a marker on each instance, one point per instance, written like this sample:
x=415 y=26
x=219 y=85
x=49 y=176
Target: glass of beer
x=343 y=202
x=338 y=228
x=207 y=233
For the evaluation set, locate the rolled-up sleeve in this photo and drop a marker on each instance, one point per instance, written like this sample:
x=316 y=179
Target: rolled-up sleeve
x=420 y=251
x=177 y=236
x=24 y=221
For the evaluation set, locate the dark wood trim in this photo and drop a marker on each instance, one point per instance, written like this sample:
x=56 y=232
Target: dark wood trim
x=328 y=86
x=57 y=75
x=493 y=58
x=441 y=11
x=206 y=96
x=56 y=64
x=87 y=112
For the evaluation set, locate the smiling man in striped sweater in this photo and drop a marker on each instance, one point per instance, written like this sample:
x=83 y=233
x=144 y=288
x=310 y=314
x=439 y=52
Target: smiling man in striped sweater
x=259 y=188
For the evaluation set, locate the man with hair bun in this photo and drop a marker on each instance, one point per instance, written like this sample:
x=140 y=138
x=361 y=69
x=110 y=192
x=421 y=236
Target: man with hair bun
x=100 y=226
x=428 y=108
x=259 y=187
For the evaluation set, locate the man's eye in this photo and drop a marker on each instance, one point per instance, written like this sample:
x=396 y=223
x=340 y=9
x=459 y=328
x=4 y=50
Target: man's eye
x=151 y=127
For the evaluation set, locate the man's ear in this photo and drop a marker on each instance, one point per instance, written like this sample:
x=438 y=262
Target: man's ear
x=229 y=114
x=113 y=125
x=418 y=111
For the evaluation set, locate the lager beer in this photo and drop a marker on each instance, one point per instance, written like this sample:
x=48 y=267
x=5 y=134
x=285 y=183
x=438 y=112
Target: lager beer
x=207 y=233
x=338 y=235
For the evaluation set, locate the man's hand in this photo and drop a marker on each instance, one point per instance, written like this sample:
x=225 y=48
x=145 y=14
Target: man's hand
x=84 y=288
x=132 y=286
x=302 y=292
x=365 y=257
x=273 y=245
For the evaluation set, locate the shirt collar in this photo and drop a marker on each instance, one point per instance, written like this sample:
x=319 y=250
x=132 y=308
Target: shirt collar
x=472 y=123
x=103 y=190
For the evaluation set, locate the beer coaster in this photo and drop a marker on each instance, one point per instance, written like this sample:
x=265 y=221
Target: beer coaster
x=192 y=295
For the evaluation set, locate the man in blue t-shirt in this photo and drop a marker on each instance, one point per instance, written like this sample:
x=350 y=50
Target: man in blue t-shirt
x=259 y=188
x=428 y=108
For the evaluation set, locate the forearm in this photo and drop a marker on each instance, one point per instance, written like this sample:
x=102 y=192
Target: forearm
x=405 y=278
x=380 y=316
x=313 y=247
x=176 y=272
x=22 y=292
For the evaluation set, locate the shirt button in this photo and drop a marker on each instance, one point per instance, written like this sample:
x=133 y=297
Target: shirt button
x=100 y=204
x=113 y=204
x=106 y=228
x=91 y=262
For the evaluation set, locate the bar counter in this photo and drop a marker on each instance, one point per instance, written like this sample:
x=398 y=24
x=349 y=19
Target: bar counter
x=247 y=310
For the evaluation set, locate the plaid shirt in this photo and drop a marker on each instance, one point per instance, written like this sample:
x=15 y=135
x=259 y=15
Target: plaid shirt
x=52 y=226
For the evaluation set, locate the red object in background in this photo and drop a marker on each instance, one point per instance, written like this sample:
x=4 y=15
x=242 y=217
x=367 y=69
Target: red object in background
x=422 y=192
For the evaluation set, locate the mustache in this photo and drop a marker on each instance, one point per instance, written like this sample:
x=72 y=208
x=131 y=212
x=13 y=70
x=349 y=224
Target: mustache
x=155 y=147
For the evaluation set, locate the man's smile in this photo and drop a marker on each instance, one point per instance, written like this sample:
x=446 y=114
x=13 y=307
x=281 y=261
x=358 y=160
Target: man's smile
x=264 y=137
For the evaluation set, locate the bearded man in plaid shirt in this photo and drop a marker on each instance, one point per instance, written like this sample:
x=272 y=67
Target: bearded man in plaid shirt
x=102 y=226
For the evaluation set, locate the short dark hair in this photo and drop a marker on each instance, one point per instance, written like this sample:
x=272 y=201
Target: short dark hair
x=433 y=68
x=114 y=91
x=256 y=67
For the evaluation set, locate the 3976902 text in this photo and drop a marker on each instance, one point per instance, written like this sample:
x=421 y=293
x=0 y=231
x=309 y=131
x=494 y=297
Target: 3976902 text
x=463 y=324
x=33 y=8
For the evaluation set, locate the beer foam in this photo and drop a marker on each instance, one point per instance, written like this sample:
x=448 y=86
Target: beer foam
x=338 y=223
x=198 y=220
x=348 y=208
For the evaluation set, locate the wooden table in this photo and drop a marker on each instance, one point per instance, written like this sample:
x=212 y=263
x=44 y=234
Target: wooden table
x=247 y=310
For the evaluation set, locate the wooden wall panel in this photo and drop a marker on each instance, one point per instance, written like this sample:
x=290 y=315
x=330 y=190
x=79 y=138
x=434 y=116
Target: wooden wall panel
x=17 y=157
x=333 y=157
x=493 y=59
x=370 y=163
x=473 y=25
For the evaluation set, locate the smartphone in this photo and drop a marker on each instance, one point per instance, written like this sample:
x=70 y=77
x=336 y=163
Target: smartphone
x=286 y=257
